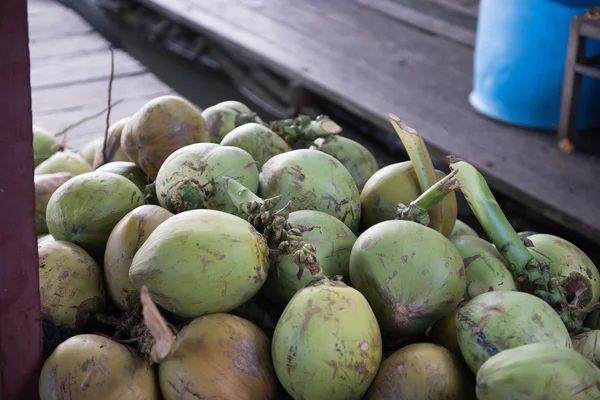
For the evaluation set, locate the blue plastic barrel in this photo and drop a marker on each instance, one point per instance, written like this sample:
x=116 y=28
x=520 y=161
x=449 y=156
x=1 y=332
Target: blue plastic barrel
x=519 y=62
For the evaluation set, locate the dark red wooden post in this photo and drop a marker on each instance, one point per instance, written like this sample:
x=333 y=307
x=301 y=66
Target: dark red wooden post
x=20 y=317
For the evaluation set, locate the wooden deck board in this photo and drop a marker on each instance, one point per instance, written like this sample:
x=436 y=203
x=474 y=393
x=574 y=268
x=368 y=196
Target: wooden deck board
x=372 y=65
x=44 y=27
x=70 y=69
x=60 y=99
x=66 y=46
x=82 y=68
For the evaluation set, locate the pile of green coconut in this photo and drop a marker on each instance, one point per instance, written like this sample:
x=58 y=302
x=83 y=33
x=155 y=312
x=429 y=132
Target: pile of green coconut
x=208 y=254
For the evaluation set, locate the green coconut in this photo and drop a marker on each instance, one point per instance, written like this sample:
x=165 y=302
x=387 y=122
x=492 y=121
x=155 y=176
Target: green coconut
x=127 y=169
x=397 y=183
x=71 y=285
x=327 y=344
x=201 y=262
x=193 y=177
x=64 y=161
x=124 y=241
x=421 y=371
x=44 y=145
x=219 y=356
x=87 y=207
x=112 y=151
x=411 y=275
x=570 y=265
x=357 y=159
x=258 y=140
x=587 y=345
x=333 y=242
x=496 y=321
x=94 y=367
x=45 y=186
x=485 y=268
x=312 y=180
x=224 y=117
x=89 y=150
x=538 y=371
x=159 y=128
x=461 y=228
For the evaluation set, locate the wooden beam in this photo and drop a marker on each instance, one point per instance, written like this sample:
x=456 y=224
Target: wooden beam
x=20 y=316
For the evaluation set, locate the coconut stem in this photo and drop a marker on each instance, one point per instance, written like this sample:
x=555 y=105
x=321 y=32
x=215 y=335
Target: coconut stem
x=273 y=225
x=242 y=197
x=418 y=209
x=166 y=343
x=421 y=161
x=150 y=196
x=124 y=324
x=532 y=273
x=189 y=194
x=496 y=225
x=304 y=129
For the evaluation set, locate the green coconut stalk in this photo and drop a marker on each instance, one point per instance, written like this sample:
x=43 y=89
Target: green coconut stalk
x=419 y=210
x=496 y=225
x=281 y=237
x=532 y=273
x=303 y=129
x=421 y=160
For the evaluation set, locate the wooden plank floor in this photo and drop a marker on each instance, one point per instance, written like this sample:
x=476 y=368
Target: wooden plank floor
x=70 y=70
x=372 y=64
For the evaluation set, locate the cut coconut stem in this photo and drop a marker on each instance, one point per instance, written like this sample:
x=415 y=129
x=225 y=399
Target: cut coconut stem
x=496 y=225
x=166 y=343
x=189 y=194
x=242 y=197
x=421 y=161
x=303 y=129
x=281 y=236
x=418 y=209
x=532 y=273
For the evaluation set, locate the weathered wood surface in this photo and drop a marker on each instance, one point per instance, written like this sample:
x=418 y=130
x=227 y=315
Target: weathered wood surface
x=20 y=316
x=469 y=7
x=450 y=19
x=70 y=70
x=372 y=65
